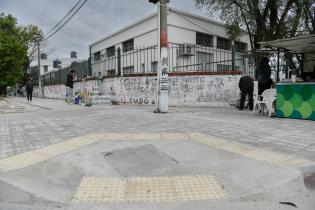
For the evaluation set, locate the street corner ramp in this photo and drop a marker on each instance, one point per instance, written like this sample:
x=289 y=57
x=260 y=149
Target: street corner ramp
x=148 y=189
x=53 y=181
x=139 y=161
x=12 y=194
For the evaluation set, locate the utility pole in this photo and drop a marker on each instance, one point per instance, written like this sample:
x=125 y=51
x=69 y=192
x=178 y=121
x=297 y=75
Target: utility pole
x=39 y=79
x=162 y=103
x=163 y=71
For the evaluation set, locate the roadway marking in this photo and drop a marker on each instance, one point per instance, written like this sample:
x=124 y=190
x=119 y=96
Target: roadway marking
x=148 y=189
x=38 y=155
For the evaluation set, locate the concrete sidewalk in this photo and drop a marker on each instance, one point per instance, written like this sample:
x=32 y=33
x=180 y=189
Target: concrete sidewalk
x=51 y=156
x=235 y=181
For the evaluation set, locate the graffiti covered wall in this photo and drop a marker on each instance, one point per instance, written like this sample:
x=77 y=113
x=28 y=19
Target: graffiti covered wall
x=198 y=91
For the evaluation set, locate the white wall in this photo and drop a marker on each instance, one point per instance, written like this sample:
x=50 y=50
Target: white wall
x=196 y=91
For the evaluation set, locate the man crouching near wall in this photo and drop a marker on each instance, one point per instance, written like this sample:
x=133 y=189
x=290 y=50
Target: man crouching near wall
x=69 y=86
x=246 y=85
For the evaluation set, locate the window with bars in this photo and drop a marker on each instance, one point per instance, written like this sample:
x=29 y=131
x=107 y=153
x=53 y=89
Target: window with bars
x=224 y=44
x=128 y=45
x=45 y=69
x=128 y=69
x=154 y=66
x=110 y=52
x=240 y=46
x=204 y=39
x=97 y=56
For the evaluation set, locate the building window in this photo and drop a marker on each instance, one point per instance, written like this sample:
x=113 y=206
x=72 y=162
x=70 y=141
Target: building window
x=205 y=61
x=45 y=69
x=240 y=46
x=97 y=56
x=111 y=72
x=142 y=68
x=128 y=45
x=154 y=66
x=204 y=39
x=128 y=69
x=224 y=44
x=110 y=52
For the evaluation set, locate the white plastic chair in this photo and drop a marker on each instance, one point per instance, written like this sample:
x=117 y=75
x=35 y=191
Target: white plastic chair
x=269 y=96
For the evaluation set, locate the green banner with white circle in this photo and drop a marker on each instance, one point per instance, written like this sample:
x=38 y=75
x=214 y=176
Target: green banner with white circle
x=296 y=101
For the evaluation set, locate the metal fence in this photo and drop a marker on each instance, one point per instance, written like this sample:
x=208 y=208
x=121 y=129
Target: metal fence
x=182 y=58
x=82 y=70
x=280 y=63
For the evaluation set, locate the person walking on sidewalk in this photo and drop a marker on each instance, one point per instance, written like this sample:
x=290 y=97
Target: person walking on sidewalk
x=262 y=75
x=69 y=86
x=29 y=89
x=246 y=85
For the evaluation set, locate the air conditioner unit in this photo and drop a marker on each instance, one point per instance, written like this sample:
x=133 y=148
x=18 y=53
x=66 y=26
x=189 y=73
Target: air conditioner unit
x=186 y=49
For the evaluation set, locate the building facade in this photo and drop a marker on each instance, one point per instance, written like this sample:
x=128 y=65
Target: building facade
x=195 y=44
x=48 y=65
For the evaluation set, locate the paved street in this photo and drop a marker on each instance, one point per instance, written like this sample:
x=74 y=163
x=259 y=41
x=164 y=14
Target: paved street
x=200 y=146
x=48 y=121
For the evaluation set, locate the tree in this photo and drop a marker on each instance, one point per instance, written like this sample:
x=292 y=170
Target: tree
x=15 y=43
x=31 y=35
x=309 y=15
x=264 y=20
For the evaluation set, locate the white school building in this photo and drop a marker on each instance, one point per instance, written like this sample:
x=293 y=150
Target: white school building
x=195 y=44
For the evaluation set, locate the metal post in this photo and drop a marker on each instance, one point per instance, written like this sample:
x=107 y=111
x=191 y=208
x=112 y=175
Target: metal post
x=119 y=62
x=39 y=79
x=233 y=55
x=278 y=66
x=163 y=59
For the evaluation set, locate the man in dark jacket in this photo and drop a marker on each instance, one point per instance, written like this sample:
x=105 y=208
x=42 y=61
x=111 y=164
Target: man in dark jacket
x=246 y=86
x=29 y=89
x=69 y=85
x=262 y=75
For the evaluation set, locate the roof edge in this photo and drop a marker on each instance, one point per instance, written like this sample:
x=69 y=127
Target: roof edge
x=125 y=28
x=153 y=15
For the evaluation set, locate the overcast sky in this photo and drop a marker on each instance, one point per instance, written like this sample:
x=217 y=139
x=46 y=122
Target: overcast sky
x=95 y=20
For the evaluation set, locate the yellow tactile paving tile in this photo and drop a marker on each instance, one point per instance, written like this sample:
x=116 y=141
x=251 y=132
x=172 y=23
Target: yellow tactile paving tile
x=42 y=154
x=148 y=189
x=117 y=136
x=174 y=136
x=100 y=190
x=146 y=136
x=38 y=155
x=22 y=160
x=249 y=151
x=198 y=188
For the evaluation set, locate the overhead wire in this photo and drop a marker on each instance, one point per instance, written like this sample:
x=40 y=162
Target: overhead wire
x=64 y=17
x=199 y=26
x=61 y=26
